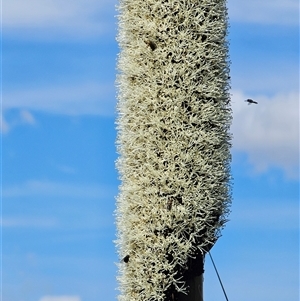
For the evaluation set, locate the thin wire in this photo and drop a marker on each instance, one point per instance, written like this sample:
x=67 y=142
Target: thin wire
x=218 y=276
x=1 y=147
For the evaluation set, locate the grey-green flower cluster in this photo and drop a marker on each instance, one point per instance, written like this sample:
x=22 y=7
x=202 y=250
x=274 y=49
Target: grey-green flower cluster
x=173 y=139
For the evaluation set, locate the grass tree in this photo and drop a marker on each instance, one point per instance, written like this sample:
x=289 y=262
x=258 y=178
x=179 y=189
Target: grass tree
x=174 y=143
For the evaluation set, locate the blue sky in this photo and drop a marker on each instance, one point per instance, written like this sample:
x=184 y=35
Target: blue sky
x=58 y=151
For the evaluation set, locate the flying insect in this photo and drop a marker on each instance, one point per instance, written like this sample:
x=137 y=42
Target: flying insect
x=250 y=101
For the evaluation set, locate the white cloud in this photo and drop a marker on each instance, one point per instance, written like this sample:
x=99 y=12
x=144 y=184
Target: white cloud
x=60 y=298
x=265 y=12
x=85 y=98
x=50 y=189
x=46 y=18
x=268 y=132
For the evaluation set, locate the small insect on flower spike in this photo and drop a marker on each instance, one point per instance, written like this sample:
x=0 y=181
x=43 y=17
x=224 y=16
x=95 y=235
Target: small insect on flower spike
x=126 y=258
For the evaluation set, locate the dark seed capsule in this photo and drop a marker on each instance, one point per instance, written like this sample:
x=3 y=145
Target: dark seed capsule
x=126 y=259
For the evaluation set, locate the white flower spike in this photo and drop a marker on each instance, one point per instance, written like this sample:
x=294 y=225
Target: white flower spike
x=173 y=142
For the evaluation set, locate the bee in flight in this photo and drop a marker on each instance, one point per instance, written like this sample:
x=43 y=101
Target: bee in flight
x=250 y=101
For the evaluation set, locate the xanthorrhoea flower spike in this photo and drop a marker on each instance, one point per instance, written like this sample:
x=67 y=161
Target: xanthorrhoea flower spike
x=173 y=140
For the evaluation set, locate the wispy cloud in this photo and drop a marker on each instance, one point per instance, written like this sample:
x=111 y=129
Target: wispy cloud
x=29 y=222
x=265 y=12
x=23 y=117
x=79 y=18
x=66 y=169
x=272 y=217
x=266 y=75
x=50 y=189
x=73 y=206
x=27 y=117
x=268 y=132
x=79 y=99
x=249 y=276
x=4 y=127
x=60 y=298
x=46 y=19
